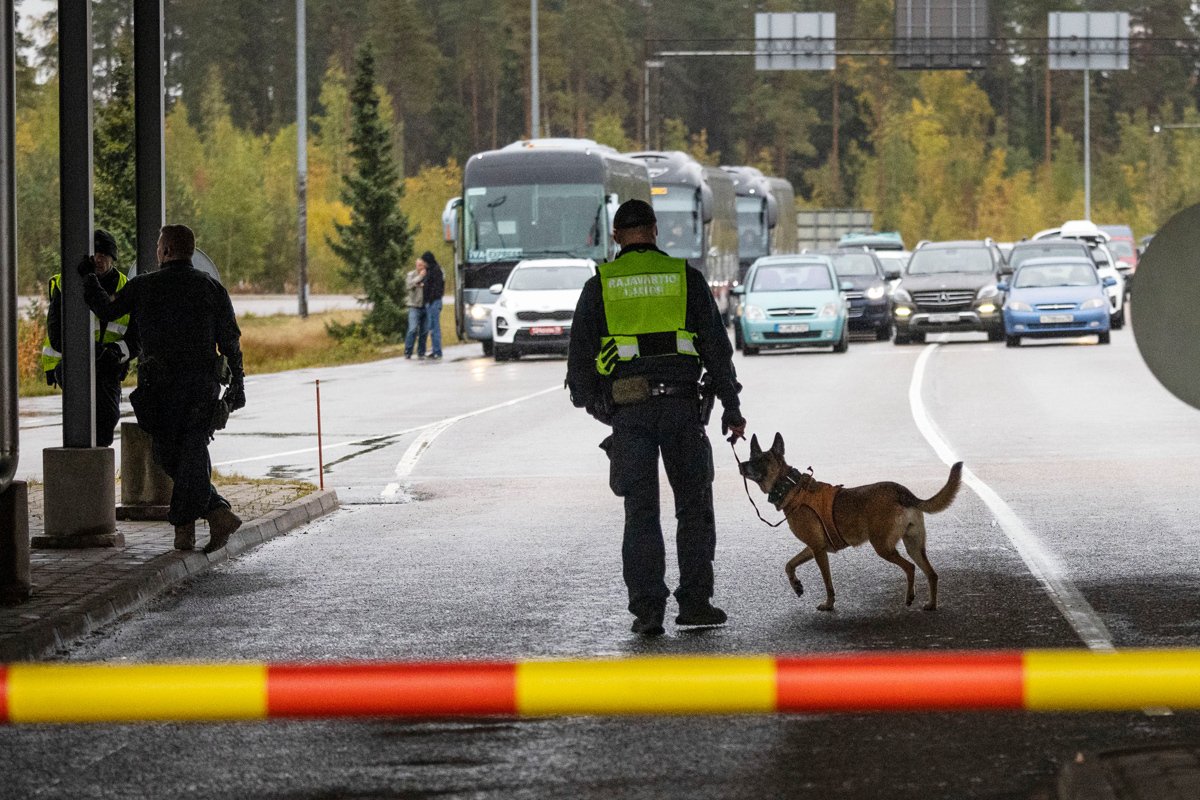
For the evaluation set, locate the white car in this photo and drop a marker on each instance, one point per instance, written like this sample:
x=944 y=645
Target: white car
x=535 y=305
x=1096 y=240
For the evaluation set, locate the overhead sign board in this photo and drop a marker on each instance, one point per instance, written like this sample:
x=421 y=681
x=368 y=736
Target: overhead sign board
x=941 y=34
x=795 y=41
x=1089 y=40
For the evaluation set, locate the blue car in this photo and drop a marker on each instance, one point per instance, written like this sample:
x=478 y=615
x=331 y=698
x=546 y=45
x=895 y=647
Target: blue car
x=1060 y=296
x=792 y=301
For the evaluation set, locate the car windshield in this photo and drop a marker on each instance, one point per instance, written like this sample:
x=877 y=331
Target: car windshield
x=1022 y=254
x=932 y=260
x=854 y=264
x=549 y=278
x=791 y=278
x=1037 y=276
x=1121 y=248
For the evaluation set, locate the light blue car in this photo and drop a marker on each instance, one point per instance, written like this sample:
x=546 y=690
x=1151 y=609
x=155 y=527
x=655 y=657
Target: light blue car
x=792 y=301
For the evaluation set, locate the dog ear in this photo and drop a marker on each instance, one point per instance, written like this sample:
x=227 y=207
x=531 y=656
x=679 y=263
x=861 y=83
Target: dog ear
x=777 y=445
x=755 y=450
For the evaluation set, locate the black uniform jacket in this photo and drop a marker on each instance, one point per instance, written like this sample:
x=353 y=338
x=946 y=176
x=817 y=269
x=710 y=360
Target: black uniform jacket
x=435 y=283
x=589 y=326
x=182 y=315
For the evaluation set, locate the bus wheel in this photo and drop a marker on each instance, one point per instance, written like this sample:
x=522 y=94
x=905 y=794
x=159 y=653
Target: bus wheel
x=487 y=347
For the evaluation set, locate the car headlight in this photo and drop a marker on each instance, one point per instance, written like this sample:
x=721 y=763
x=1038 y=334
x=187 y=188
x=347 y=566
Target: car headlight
x=903 y=311
x=1095 y=302
x=479 y=312
x=829 y=310
x=875 y=292
x=987 y=308
x=1017 y=305
x=754 y=312
x=987 y=291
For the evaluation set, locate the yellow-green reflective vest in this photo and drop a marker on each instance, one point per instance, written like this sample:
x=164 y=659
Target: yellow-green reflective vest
x=112 y=332
x=645 y=306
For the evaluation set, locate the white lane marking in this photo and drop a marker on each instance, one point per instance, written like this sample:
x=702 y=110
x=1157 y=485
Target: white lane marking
x=415 y=450
x=1044 y=565
x=370 y=439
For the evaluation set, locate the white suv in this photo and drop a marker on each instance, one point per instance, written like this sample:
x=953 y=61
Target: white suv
x=535 y=305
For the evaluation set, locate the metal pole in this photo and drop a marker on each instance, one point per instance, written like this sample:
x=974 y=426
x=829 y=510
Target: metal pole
x=148 y=121
x=302 y=157
x=646 y=105
x=9 y=422
x=1087 y=144
x=75 y=213
x=535 y=121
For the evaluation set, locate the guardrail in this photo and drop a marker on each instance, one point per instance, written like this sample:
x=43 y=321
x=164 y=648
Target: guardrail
x=1039 y=680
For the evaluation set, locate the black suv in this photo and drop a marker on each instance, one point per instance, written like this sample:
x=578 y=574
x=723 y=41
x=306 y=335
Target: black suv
x=870 y=296
x=950 y=286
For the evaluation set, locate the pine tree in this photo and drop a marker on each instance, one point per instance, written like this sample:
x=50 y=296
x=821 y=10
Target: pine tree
x=377 y=245
x=116 y=181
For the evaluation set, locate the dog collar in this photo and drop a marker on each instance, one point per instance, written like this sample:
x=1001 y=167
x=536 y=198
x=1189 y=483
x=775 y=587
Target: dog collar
x=783 y=486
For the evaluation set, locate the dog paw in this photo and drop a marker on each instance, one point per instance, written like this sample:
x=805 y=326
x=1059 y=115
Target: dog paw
x=798 y=589
x=908 y=601
x=827 y=606
x=930 y=607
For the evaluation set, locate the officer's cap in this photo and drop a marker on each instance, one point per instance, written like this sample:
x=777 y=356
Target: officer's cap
x=103 y=242
x=634 y=214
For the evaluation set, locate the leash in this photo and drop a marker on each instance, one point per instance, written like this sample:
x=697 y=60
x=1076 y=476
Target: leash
x=746 y=485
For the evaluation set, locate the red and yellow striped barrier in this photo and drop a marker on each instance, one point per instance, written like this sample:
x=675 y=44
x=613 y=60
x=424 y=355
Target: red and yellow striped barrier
x=1030 y=680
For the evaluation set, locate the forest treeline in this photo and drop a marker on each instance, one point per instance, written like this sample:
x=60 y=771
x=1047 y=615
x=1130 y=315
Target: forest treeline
x=936 y=155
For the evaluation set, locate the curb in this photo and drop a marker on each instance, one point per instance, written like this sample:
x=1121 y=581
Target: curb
x=156 y=576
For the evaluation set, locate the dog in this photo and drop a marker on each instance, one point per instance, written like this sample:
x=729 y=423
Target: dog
x=827 y=518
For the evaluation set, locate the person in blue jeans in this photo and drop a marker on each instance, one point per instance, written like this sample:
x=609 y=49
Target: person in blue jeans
x=434 y=289
x=415 y=283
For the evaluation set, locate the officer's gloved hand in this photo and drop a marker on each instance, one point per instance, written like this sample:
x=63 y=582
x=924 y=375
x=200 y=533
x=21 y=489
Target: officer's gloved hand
x=87 y=266
x=235 y=396
x=734 y=424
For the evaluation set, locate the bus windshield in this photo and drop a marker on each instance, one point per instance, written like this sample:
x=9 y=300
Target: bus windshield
x=679 y=225
x=508 y=223
x=752 y=227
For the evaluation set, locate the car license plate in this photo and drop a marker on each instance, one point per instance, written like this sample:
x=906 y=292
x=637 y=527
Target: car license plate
x=546 y=330
x=799 y=327
x=1049 y=319
x=943 y=317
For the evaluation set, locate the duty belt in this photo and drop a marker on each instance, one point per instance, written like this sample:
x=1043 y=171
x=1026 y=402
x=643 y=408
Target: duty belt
x=662 y=389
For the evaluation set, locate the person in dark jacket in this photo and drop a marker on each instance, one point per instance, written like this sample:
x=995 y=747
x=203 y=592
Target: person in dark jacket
x=435 y=288
x=185 y=318
x=644 y=328
x=116 y=341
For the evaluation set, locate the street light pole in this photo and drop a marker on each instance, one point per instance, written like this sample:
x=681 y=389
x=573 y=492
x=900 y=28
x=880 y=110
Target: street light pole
x=1087 y=144
x=302 y=157
x=535 y=122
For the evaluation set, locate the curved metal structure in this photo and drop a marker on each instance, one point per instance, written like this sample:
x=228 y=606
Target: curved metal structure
x=9 y=430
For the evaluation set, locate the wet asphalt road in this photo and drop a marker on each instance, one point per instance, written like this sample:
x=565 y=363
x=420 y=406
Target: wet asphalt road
x=498 y=538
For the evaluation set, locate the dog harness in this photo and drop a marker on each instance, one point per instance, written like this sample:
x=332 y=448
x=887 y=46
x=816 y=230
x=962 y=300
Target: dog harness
x=796 y=489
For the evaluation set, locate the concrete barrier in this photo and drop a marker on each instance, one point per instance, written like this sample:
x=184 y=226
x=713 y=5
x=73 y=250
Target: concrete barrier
x=145 y=488
x=1038 y=680
x=15 y=585
x=79 y=498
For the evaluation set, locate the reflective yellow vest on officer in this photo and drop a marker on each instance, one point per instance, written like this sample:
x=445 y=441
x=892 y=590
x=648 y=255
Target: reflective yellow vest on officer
x=105 y=334
x=645 y=306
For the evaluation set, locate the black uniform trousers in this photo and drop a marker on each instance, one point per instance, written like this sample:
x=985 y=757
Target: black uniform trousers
x=108 y=401
x=670 y=425
x=178 y=415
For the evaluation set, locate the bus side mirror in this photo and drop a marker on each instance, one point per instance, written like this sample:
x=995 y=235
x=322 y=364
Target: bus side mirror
x=450 y=219
x=706 y=204
x=772 y=211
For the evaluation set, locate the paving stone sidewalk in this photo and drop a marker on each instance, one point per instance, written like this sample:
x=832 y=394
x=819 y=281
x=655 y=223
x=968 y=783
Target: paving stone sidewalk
x=77 y=591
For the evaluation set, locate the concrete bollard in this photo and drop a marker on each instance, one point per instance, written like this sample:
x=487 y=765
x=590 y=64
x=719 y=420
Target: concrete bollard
x=145 y=488
x=80 y=498
x=15 y=585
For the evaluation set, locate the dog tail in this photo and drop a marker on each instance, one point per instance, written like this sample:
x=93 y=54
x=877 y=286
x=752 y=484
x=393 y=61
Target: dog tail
x=942 y=500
